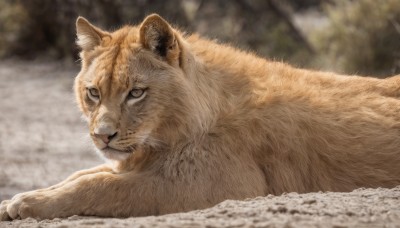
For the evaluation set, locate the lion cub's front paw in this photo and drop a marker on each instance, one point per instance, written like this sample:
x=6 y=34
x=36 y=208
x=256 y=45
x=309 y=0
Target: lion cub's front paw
x=3 y=211
x=22 y=206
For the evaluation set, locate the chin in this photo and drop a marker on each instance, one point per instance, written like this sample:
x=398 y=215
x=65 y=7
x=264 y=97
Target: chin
x=113 y=154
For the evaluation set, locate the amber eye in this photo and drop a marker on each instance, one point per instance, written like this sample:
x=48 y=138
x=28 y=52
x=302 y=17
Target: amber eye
x=93 y=93
x=136 y=93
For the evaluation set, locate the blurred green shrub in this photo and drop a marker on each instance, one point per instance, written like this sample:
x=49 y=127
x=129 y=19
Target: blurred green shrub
x=12 y=20
x=46 y=28
x=363 y=37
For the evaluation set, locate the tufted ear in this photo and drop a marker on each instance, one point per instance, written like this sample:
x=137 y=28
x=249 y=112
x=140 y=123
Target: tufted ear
x=89 y=36
x=158 y=36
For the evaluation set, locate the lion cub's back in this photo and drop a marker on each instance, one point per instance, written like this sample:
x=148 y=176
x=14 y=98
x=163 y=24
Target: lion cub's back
x=342 y=131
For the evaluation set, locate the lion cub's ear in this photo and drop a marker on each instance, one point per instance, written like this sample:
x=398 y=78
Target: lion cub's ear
x=89 y=36
x=158 y=36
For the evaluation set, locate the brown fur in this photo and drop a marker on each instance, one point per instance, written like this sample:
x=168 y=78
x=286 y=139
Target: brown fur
x=215 y=124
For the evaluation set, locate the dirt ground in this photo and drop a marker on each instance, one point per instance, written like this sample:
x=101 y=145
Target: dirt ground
x=43 y=140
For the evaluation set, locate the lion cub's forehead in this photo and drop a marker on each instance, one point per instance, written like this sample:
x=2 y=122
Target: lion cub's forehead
x=113 y=67
x=123 y=37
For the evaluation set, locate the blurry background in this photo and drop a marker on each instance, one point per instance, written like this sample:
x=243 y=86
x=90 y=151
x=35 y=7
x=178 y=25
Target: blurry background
x=346 y=36
x=43 y=139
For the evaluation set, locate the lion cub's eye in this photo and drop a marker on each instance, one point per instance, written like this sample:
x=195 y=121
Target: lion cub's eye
x=136 y=93
x=93 y=93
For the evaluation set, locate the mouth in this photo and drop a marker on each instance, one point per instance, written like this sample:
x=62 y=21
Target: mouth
x=114 y=154
x=113 y=150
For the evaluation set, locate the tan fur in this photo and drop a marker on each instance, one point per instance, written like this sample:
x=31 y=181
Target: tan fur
x=215 y=124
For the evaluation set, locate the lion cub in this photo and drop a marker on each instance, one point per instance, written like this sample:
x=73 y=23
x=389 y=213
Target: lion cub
x=190 y=123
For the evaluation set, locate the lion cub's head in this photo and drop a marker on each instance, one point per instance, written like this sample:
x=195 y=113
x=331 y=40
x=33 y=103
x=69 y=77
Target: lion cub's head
x=131 y=85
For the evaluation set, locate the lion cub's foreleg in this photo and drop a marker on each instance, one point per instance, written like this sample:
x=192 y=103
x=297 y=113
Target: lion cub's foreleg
x=102 y=194
x=4 y=205
x=97 y=169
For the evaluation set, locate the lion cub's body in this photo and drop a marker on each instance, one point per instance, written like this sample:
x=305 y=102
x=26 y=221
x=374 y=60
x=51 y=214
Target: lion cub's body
x=306 y=130
x=218 y=124
x=303 y=130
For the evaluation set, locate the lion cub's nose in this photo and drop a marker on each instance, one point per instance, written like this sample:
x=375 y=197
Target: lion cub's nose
x=105 y=132
x=106 y=138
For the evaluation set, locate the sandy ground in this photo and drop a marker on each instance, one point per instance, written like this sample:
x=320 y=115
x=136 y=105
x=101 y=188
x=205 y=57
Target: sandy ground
x=43 y=140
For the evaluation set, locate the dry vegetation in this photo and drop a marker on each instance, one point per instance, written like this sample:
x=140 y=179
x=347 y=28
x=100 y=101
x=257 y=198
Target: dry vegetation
x=363 y=37
x=359 y=37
